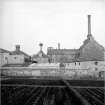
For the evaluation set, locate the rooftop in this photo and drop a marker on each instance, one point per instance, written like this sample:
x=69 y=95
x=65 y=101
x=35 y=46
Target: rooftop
x=4 y=51
x=40 y=54
x=62 y=51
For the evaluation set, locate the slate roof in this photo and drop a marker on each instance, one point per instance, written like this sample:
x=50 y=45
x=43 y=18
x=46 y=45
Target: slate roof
x=92 y=58
x=19 y=53
x=38 y=55
x=88 y=41
x=13 y=52
x=61 y=51
x=4 y=51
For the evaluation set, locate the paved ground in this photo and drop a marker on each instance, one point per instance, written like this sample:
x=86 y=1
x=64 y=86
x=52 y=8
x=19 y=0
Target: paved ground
x=23 y=91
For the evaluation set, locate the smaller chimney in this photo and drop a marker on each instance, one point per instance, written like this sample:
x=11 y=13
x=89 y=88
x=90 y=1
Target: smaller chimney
x=41 y=45
x=58 y=45
x=17 y=47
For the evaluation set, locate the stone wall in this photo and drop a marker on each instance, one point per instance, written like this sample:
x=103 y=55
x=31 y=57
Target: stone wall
x=89 y=65
x=4 y=58
x=16 y=59
x=41 y=60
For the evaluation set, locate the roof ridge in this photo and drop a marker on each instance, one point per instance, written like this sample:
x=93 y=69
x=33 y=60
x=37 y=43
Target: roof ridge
x=18 y=52
x=4 y=50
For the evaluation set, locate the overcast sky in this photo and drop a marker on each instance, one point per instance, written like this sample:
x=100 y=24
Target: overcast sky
x=29 y=22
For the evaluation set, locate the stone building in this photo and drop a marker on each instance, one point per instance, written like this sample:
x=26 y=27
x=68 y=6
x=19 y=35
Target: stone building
x=20 y=53
x=4 y=55
x=91 y=50
x=16 y=57
x=40 y=57
x=61 y=55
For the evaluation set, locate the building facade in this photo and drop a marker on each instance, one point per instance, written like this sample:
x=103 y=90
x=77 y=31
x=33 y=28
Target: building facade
x=40 y=57
x=61 y=55
x=4 y=57
x=91 y=50
x=18 y=56
x=13 y=57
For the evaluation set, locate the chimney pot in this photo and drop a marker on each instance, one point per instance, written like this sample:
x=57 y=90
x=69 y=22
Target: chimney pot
x=41 y=45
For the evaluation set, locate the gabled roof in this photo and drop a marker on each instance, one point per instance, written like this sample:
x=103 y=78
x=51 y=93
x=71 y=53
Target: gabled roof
x=4 y=51
x=13 y=52
x=93 y=56
x=88 y=41
x=38 y=55
x=18 y=53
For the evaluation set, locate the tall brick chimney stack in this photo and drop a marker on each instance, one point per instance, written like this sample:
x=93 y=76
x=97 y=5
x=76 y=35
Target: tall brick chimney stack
x=89 y=24
x=89 y=27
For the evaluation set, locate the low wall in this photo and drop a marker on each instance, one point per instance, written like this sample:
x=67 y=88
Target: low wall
x=66 y=73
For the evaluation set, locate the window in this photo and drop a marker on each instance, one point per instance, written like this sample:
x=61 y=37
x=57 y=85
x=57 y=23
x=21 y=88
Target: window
x=75 y=63
x=96 y=63
x=96 y=69
x=6 y=58
x=78 y=55
x=14 y=57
